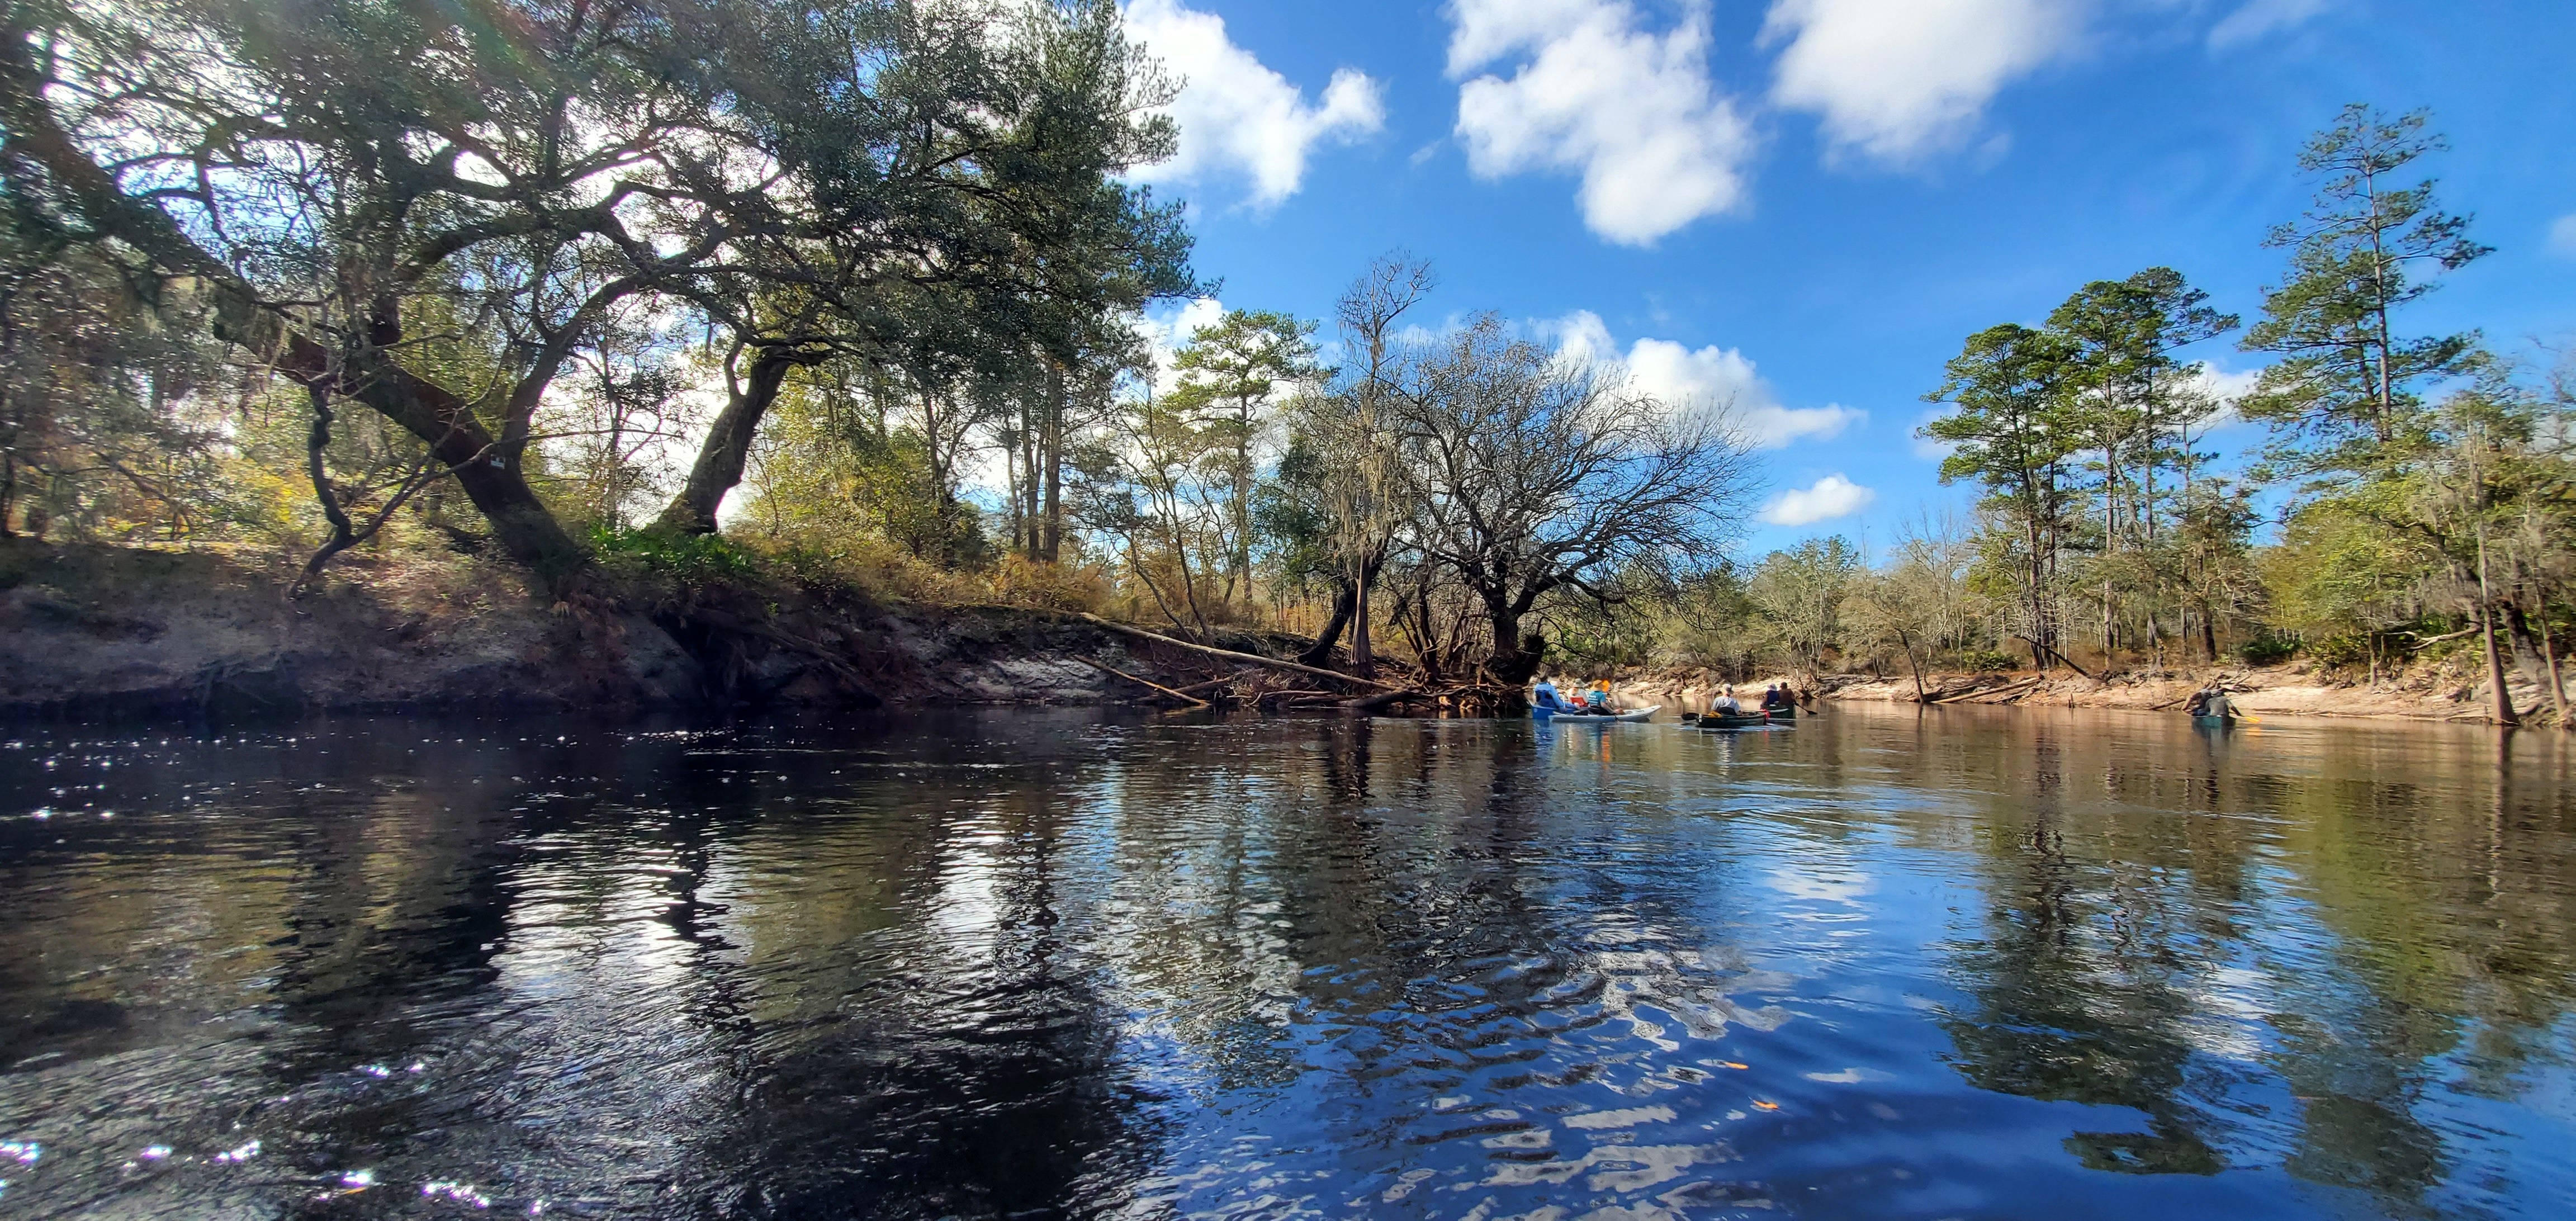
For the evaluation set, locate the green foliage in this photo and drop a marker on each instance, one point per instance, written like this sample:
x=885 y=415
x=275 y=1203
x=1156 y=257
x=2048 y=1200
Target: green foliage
x=2347 y=649
x=693 y=559
x=1989 y=661
x=2340 y=569
x=2267 y=650
x=2345 y=393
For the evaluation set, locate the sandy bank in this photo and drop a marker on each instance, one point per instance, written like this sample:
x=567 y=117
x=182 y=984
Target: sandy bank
x=2432 y=692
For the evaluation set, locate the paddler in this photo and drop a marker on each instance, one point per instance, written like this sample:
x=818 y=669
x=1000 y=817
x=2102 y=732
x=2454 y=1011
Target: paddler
x=1545 y=696
x=2213 y=702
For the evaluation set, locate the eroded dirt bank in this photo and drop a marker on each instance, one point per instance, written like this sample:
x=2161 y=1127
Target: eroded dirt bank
x=122 y=631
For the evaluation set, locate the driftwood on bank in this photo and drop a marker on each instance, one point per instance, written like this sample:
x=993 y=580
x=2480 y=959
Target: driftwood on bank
x=1142 y=682
x=1203 y=688
x=1253 y=659
x=1976 y=692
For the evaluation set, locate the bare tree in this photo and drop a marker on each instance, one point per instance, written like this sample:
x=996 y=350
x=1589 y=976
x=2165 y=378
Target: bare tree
x=1357 y=447
x=1530 y=473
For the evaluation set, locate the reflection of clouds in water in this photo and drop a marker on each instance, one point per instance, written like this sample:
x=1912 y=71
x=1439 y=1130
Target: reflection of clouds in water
x=2232 y=1015
x=1614 y=1167
x=1369 y=970
x=967 y=908
x=1826 y=885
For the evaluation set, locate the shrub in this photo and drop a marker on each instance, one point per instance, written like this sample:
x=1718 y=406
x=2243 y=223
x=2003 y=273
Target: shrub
x=2348 y=649
x=1989 y=661
x=696 y=559
x=2267 y=650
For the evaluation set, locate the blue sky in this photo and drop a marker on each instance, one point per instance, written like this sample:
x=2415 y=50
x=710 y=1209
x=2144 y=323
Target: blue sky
x=1810 y=203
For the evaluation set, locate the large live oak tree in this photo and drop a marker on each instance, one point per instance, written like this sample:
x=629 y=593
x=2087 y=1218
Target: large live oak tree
x=429 y=209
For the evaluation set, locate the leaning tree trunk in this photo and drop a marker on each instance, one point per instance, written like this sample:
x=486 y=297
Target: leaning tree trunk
x=727 y=449
x=1345 y=599
x=1350 y=609
x=489 y=472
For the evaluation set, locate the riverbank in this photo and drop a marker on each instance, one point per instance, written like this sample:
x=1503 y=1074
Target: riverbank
x=2435 y=690
x=111 y=631
x=114 y=631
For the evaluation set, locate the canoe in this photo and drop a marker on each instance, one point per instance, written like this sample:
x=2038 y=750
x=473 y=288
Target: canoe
x=1635 y=714
x=1747 y=721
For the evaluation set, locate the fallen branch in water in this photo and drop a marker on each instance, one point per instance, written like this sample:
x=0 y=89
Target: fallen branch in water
x=1229 y=654
x=1142 y=682
x=1372 y=703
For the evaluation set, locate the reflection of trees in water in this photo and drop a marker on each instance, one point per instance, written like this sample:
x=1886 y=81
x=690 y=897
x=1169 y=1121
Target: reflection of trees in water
x=923 y=1038
x=1367 y=916
x=2133 y=885
x=716 y=974
x=2080 y=989
x=2448 y=899
x=639 y=968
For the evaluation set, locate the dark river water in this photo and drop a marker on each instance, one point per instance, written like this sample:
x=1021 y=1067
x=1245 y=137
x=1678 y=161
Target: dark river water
x=1955 y=964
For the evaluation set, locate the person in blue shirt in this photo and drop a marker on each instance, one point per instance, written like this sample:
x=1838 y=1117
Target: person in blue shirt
x=1600 y=699
x=1545 y=696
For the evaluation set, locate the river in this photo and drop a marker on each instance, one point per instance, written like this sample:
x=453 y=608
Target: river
x=1956 y=963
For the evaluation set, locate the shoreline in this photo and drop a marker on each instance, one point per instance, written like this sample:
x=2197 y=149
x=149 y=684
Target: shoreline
x=2289 y=690
x=98 y=632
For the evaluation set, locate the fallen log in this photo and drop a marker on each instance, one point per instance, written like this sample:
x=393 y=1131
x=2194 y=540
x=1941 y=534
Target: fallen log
x=1212 y=684
x=1372 y=703
x=1142 y=682
x=1254 y=659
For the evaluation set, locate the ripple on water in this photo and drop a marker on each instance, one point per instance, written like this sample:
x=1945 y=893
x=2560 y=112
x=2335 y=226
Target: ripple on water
x=988 y=964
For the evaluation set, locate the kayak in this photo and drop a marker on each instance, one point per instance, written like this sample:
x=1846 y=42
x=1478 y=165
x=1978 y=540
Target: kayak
x=1568 y=714
x=2214 y=722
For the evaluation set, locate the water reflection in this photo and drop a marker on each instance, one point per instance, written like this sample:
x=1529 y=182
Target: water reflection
x=1961 y=963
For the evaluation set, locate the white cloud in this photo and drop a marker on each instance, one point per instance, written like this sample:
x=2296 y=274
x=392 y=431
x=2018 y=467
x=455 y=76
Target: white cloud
x=2562 y=235
x=2222 y=385
x=1897 y=80
x=2225 y=388
x=1169 y=327
x=1712 y=377
x=2260 y=17
x=1593 y=91
x=1238 y=117
x=1828 y=498
x=1931 y=449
